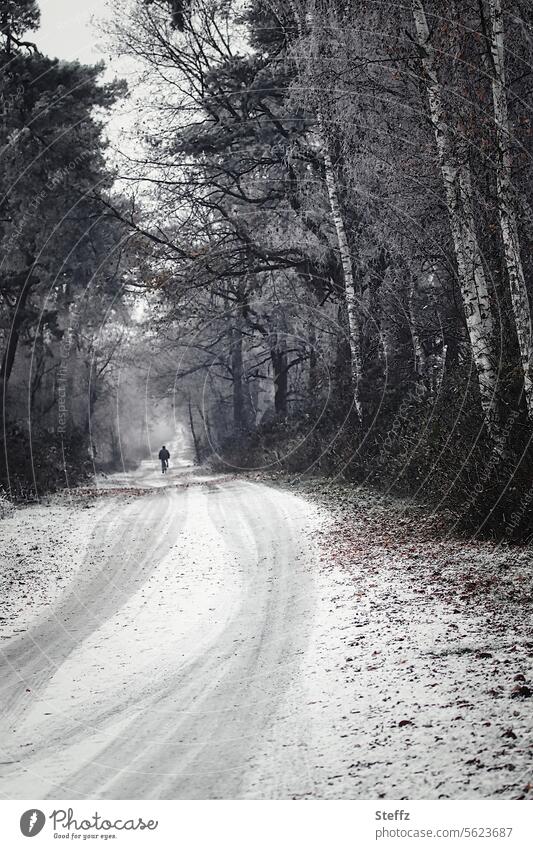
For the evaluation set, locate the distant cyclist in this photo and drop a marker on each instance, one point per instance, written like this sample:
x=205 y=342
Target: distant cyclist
x=164 y=456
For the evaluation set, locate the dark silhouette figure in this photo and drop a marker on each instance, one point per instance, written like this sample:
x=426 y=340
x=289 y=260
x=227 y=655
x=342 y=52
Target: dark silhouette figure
x=164 y=456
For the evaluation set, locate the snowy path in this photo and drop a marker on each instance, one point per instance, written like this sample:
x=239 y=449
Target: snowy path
x=221 y=638
x=171 y=652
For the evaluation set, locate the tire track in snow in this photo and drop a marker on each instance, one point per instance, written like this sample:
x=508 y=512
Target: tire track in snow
x=187 y=724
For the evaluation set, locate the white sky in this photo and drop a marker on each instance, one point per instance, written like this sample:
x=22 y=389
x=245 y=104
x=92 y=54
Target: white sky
x=66 y=29
x=71 y=29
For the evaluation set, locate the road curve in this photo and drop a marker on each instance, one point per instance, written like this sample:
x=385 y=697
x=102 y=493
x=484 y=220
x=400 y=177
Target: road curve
x=160 y=670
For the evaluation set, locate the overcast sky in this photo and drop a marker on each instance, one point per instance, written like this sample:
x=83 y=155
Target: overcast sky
x=66 y=29
x=69 y=30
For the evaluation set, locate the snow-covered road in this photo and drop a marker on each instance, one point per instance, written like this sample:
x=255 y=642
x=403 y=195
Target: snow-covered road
x=200 y=636
x=166 y=659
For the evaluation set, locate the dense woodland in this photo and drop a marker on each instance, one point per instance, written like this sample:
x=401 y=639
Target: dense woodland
x=316 y=251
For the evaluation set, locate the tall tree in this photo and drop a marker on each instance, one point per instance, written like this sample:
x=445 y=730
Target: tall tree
x=506 y=193
x=459 y=192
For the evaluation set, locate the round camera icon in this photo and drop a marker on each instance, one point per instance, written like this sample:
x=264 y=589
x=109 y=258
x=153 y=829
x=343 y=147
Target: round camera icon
x=32 y=822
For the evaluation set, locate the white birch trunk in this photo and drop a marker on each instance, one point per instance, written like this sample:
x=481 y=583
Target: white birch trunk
x=459 y=200
x=350 y=288
x=506 y=203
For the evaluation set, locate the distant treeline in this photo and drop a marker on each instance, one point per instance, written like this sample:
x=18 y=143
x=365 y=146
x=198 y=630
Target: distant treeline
x=339 y=203
x=320 y=249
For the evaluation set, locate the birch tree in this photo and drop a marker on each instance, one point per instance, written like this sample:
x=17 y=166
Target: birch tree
x=506 y=198
x=351 y=293
x=457 y=180
x=350 y=289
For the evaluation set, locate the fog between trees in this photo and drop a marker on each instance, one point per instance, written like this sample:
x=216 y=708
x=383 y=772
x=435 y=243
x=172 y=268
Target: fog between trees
x=315 y=251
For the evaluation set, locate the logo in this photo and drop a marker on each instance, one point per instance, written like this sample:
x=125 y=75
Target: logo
x=32 y=822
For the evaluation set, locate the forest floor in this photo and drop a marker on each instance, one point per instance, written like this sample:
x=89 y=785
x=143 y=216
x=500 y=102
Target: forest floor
x=210 y=637
x=440 y=649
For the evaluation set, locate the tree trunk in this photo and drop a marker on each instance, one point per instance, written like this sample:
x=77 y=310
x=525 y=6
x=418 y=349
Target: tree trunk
x=116 y=452
x=350 y=289
x=376 y=276
x=237 y=377
x=420 y=359
x=278 y=355
x=13 y=339
x=92 y=397
x=196 y=444
x=37 y=370
x=8 y=358
x=312 y=385
x=351 y=293
x=506 y=201
x=459 y=199
x=207 y=428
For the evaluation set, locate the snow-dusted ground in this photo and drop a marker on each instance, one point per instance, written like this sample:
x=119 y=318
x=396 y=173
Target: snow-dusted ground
x=41 y=549
x=428 y=692
x=215 y=637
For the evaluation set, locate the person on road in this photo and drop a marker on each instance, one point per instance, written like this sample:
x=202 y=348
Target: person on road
x=164 y=456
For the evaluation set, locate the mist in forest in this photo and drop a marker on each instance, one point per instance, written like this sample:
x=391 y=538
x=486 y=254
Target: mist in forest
x=309 y=248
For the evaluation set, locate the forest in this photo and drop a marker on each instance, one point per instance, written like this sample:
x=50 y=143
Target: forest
x=313 y=248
